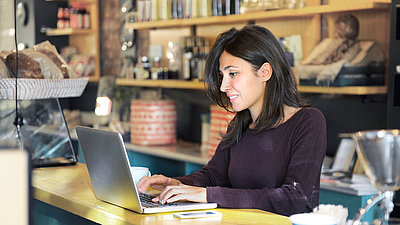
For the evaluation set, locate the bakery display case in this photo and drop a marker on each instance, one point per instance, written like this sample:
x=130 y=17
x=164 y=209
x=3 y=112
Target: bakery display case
x=31 y=82
x=43 y=133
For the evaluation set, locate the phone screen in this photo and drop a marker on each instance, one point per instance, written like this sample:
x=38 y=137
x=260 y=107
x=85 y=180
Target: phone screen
x=197 y=214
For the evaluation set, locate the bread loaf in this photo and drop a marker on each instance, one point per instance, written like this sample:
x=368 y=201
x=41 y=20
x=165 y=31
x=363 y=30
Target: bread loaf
x=3 y=69
x=4 y=54
x=48 y=67
x=27 y=66
x=53 y=57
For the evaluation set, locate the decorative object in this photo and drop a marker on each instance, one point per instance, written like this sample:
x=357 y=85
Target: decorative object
x=379 y=152
x=219 y=121
x=153 y=122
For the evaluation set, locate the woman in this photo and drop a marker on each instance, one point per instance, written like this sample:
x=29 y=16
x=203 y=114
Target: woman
x=272 y=154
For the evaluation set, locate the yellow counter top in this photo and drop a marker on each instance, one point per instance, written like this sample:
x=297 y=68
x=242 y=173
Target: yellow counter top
x=69 y=188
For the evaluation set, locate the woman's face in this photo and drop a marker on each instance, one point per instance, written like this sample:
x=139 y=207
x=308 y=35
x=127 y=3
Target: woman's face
x=243 y=86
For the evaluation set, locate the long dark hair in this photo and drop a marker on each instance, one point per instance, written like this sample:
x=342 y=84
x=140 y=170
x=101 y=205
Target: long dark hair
x=256 y=45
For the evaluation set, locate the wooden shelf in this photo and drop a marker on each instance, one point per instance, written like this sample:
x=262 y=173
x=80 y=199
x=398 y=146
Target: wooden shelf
x=68 y=31
x=199 y=85
x=180 y=84
x=94 y=78
x=70 y=1
x=349 y=90
x=263 y=15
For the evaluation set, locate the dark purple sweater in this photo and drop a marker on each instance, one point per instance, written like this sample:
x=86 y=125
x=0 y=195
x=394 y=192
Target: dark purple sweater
x=277 y=170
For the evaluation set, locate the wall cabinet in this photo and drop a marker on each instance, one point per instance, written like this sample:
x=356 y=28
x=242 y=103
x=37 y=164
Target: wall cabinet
x=87 y=41
x=373 y=16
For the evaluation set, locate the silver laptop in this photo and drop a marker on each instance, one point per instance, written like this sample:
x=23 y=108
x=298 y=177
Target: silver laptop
x=109 y=169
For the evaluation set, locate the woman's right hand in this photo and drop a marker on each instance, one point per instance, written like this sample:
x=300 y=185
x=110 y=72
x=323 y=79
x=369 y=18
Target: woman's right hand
x=157 y=182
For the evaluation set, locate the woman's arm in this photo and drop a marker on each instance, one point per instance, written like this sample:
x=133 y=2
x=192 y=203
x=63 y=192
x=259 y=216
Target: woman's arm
x=215 y=173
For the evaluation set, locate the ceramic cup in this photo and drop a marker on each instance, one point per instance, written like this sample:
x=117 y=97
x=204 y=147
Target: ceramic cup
x=313 y=219
x=139 y=172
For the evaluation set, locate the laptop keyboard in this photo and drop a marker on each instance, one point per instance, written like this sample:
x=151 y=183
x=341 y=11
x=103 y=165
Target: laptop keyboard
x=145 y=199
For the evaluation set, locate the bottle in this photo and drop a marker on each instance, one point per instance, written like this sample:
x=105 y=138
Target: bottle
x=73 y=18
x=195 y=61
x=146 y=68
x=85 y=19
x=174 y=57
x=139 y=71
x=66 y=18
x=187 y=59
x=80 y=12
x=156 y=69
x=60 y=18
x=164 y=74
x=289 y=55
x=204 y=49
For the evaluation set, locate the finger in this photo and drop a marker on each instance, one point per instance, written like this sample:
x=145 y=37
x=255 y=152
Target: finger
x=178 y=197
x=145 y=182
x=188 y=193
x=170 y=191
x=157 y=187
x=156 y=199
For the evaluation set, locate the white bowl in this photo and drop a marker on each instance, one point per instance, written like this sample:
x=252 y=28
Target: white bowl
x=313 y=219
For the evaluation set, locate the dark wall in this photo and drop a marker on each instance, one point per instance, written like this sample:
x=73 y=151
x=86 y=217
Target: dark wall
x=394 y=67
x=348 y=113
x=190 y=105
x=86 y=102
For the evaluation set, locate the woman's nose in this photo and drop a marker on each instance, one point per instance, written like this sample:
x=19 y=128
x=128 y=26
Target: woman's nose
x=224 y=84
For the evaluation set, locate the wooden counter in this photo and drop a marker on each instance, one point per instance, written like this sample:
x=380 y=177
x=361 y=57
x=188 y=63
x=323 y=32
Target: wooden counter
x=69 y=188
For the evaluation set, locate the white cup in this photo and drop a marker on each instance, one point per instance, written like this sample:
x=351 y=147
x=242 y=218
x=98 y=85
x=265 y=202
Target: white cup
x=313 y=219
x=139 y=172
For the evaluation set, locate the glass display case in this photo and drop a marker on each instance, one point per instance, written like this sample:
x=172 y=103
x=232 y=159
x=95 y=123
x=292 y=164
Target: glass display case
x=44 y=133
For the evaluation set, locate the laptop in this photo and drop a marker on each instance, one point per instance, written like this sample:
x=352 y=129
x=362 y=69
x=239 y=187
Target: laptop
x=109 y=170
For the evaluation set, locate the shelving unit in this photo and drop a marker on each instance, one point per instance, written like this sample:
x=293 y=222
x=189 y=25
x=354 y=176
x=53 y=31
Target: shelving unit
x=305 y=21
x=87 y=41
x=264 y=15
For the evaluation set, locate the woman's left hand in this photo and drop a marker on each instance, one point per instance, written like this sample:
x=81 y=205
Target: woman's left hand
x=182 y=192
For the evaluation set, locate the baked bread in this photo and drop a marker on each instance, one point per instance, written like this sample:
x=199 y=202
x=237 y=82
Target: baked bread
x=48 y=67
x=27 y=66
x=4 y=54
x=53 y=57
x=3 y=69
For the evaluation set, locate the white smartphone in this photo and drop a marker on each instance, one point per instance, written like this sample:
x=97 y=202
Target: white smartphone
x=197 y=214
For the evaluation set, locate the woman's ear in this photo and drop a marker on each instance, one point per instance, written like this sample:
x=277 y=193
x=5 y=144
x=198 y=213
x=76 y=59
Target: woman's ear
x=265 y=71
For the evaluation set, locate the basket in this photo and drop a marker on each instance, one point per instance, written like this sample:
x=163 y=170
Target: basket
x=42 y=88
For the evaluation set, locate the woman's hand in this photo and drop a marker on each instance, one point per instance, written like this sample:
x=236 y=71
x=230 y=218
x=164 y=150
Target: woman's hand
x=157 y=182
x=182 y=192
x=172 y=189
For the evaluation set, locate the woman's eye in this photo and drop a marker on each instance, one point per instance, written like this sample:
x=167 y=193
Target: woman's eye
x=232 y=74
